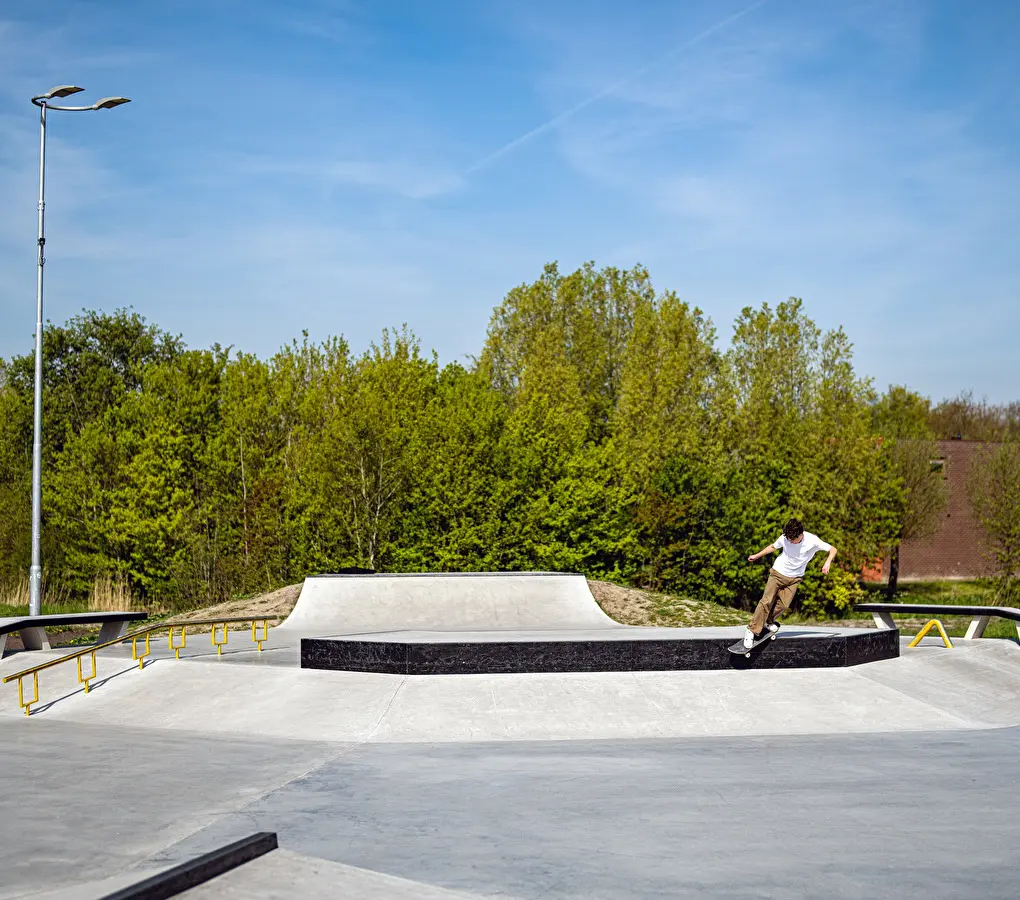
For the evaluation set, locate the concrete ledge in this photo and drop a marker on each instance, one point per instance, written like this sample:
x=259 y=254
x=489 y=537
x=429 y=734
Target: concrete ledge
x=619 y=650
x=32 y=629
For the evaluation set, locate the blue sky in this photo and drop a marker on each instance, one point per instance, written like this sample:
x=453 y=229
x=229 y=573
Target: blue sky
x=343 y=166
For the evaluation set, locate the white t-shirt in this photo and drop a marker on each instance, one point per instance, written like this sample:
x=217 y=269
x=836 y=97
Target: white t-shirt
x=794 y=558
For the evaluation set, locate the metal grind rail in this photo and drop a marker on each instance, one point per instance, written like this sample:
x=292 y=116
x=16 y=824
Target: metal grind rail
x=177 y=641
x=883 y=614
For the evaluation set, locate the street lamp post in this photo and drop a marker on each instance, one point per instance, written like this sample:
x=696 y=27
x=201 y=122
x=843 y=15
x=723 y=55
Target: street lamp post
x=43 y=102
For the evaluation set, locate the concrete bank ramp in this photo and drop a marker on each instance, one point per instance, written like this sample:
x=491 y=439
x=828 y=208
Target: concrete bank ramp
x=277 y=875
x=91 y=890
x=978 y=680
x=283 y=873
x=476 y=601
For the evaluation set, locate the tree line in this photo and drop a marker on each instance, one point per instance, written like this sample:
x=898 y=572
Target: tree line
x=601 y=429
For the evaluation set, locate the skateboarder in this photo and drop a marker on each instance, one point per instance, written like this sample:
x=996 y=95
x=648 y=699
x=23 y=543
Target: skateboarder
x=796 y=547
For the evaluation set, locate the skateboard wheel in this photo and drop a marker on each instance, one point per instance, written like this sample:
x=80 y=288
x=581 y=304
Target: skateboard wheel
x=748 y=654
x=772 y=638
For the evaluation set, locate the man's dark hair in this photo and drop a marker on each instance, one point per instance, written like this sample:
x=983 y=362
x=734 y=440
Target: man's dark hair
x=793 y=529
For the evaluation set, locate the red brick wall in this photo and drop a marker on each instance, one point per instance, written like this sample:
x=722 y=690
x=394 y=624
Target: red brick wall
x=959 y=548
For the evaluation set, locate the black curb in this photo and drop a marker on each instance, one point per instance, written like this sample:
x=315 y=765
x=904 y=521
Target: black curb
x=199 y=870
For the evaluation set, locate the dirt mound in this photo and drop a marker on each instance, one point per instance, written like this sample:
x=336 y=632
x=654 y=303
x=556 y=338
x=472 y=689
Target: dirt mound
x=628 y=606
x=278 y=603
x=631 y=606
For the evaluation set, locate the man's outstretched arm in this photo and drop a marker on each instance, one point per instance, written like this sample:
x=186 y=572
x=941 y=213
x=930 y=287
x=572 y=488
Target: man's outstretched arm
x=756 y=556
x=828 y=560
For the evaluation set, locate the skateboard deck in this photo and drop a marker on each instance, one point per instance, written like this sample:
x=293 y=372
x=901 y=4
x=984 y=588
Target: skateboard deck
x=739 y=648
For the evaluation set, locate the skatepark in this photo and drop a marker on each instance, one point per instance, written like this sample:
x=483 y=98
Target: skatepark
x=538 y=771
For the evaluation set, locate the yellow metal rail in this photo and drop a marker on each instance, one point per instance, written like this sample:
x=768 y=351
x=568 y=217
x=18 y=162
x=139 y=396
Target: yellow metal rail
x=176 y=630
x=934 y=623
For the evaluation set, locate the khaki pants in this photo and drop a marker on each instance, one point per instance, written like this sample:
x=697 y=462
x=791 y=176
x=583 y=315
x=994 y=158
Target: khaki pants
x=775 y=601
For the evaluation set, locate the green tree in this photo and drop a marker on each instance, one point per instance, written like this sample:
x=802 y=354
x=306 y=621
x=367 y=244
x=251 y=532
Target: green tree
x=842 y=484
x=801 y=445
x=449 y=522
x=994 y=487
x=591 y=312
x=901 y=414
x=81 y=486
x=902 y=418
x=669 y=381
x=357 y=450
x=773 y=373
x=547 y=427
x=128 y=493
x=165 y=514
x=600 y=430
x=245 y=472
x=774 y=360
x=667 y=442
x=89 y=365
x=683 y=539
x=312 y=382
x=15 y=479
x=964 y=418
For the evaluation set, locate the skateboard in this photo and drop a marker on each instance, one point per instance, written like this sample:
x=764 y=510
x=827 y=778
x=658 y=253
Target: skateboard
x=740 y=649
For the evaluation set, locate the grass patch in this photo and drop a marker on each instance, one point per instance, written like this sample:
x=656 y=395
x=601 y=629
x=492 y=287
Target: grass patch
x=967 y=593
x=671 y=611
x=11 y=610
x=634 y=606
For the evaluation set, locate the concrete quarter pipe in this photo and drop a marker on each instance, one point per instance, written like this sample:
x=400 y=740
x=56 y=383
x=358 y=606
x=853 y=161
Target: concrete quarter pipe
x=482 y=601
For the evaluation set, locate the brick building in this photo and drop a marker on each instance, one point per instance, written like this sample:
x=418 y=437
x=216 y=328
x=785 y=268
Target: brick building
x=959 y=548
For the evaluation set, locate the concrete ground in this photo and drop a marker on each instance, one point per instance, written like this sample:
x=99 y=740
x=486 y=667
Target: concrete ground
x=886 y=815
x=890 y=779
x=976 y=685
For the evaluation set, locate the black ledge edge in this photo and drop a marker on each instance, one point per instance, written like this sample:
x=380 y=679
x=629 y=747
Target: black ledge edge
x=199 y=870
x=396 y=657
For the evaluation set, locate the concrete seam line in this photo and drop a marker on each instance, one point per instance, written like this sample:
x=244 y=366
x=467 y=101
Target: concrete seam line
x=665 y=724
x=384 y=713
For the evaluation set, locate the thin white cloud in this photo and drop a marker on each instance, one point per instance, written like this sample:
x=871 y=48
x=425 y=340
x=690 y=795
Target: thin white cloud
x=114 y=59
x=747 y=168
x=743 y=180
x=403 y=178
x=332 y=29
x=75 y=180
x=729 y=140
x=567 y=114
